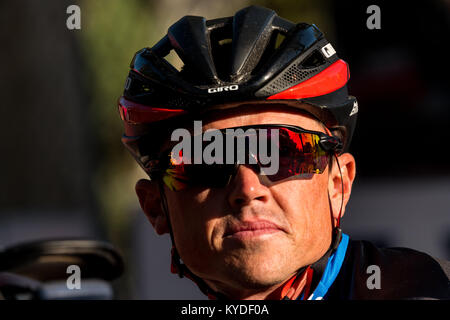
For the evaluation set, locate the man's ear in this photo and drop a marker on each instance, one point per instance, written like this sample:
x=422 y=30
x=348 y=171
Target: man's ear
x=348 y=170
x=150 y=200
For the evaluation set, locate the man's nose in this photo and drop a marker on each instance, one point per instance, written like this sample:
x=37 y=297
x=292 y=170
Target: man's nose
x=246 y=187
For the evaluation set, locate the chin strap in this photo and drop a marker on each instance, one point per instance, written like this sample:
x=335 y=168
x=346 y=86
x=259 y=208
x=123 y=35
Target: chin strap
x=307 y=278
x=183 y=271
x=338 y=223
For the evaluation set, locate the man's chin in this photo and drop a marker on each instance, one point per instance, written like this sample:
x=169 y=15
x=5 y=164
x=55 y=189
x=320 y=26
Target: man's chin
x=257 y=279
x=258 y=270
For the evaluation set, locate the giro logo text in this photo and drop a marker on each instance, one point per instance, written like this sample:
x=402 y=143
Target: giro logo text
x=225 y=88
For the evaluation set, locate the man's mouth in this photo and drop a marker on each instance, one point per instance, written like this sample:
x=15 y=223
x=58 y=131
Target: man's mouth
x=250 y=229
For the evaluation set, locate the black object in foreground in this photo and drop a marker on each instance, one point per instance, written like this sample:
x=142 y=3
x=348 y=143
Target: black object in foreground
x=59 y=269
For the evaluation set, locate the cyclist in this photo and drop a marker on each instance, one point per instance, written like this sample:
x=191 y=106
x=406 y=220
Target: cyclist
x=237 y=231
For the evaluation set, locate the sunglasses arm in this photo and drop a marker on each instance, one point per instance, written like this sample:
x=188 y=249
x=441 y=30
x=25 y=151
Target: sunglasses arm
x=331 y=144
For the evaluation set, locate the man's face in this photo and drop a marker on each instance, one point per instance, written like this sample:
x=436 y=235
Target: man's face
x=292 y=219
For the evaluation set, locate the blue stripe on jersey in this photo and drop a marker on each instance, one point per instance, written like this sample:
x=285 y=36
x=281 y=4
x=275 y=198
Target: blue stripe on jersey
x=331 y=270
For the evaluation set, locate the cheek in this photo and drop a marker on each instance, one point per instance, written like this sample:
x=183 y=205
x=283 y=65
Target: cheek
x=303 y=197
x=305 y=204
x=192 y=224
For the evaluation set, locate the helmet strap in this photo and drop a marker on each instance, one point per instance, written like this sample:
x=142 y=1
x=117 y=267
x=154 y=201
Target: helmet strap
x=338 y=221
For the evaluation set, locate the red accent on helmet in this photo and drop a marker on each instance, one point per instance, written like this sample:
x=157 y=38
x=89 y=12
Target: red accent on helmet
x=133 y=112
x=328 y=80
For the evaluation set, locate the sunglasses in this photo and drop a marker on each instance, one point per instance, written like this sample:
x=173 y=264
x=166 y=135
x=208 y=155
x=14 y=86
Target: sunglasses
x=298 y=152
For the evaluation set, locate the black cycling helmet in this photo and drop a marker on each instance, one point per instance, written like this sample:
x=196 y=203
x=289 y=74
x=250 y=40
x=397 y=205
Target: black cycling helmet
x=230 y=62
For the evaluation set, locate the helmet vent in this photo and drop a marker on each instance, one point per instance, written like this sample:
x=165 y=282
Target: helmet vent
x=314 y=60
x=279 y=39
x=292 y=76
x=221 y=48
x=276 y=41
x=225 y=41
x=174 y=59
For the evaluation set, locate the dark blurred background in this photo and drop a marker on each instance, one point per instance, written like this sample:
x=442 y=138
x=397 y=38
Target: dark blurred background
x=64 y=172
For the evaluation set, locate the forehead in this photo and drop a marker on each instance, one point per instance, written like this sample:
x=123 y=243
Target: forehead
x=258 y=114
x=251 y=114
